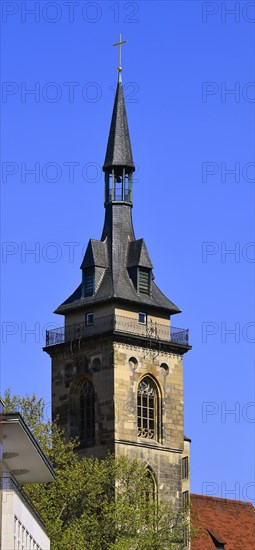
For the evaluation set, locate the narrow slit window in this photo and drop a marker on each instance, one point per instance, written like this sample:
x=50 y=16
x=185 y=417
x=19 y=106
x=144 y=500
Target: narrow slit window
x=142 y=318
x=185 y=467
x=89 y=319
x=185 y=499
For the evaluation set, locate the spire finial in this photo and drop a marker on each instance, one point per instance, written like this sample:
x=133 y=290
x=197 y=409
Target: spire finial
x=120 y=52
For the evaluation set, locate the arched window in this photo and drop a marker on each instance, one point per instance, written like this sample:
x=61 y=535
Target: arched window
x=150 y=497
x=147 y=409
x=151 y=488
x=86 y=412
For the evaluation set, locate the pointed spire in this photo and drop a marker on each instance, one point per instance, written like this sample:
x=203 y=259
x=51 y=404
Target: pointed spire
x=119 y=152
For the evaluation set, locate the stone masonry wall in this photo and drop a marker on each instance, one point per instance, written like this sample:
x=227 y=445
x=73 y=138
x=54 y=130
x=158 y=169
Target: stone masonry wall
x=131 y=364
x=71 y=365
x=115 y=369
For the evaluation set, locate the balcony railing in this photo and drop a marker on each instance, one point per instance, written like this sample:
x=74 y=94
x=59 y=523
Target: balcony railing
x=117 y=323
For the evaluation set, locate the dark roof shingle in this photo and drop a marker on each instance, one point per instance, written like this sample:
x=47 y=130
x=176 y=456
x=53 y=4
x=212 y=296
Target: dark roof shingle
x=95 y=255
x=138 y=254
x=118 y=251
x=119 y=152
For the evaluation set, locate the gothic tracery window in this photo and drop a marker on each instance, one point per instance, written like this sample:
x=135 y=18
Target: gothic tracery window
x=87 y=412
x=147 y=409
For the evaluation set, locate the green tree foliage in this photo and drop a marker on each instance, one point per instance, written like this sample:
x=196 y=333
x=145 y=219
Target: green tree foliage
x=96 y=504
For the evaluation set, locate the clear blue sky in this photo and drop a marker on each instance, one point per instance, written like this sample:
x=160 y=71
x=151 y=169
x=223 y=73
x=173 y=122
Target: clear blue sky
x=186 y=132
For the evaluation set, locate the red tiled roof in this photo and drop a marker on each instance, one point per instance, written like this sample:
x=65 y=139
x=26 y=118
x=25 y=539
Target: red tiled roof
x=228 y=521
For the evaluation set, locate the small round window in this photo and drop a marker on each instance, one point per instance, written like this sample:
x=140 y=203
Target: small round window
x=133 y=362
x=164 y=366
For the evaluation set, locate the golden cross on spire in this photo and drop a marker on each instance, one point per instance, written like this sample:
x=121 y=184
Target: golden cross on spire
x=120 y=52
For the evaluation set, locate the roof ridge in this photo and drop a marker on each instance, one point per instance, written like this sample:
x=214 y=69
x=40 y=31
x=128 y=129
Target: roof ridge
x=221 y=499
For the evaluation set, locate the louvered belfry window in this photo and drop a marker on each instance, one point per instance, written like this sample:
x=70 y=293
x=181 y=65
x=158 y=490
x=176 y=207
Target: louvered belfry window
x=87 y=412
x=144 y=278
x=147 y=409
x=89 y=278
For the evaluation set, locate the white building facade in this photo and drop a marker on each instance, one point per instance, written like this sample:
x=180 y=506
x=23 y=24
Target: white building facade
x=22 y=462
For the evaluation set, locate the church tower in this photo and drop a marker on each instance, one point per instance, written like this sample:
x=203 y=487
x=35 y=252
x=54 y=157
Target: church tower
x=117 y=370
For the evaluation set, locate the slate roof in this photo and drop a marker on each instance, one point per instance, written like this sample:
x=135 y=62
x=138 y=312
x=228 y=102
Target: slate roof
x=118 y=251
x=138 y=254
x=114 y=252
x=96 y=254
x=119 y=151
x=225 y=521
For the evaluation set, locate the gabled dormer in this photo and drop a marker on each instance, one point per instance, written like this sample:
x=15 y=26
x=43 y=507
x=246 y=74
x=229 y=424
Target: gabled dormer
x=93 y=267
x=140 y=267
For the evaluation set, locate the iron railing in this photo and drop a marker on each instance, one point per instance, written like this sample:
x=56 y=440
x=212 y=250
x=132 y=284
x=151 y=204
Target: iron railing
x=117 y=323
